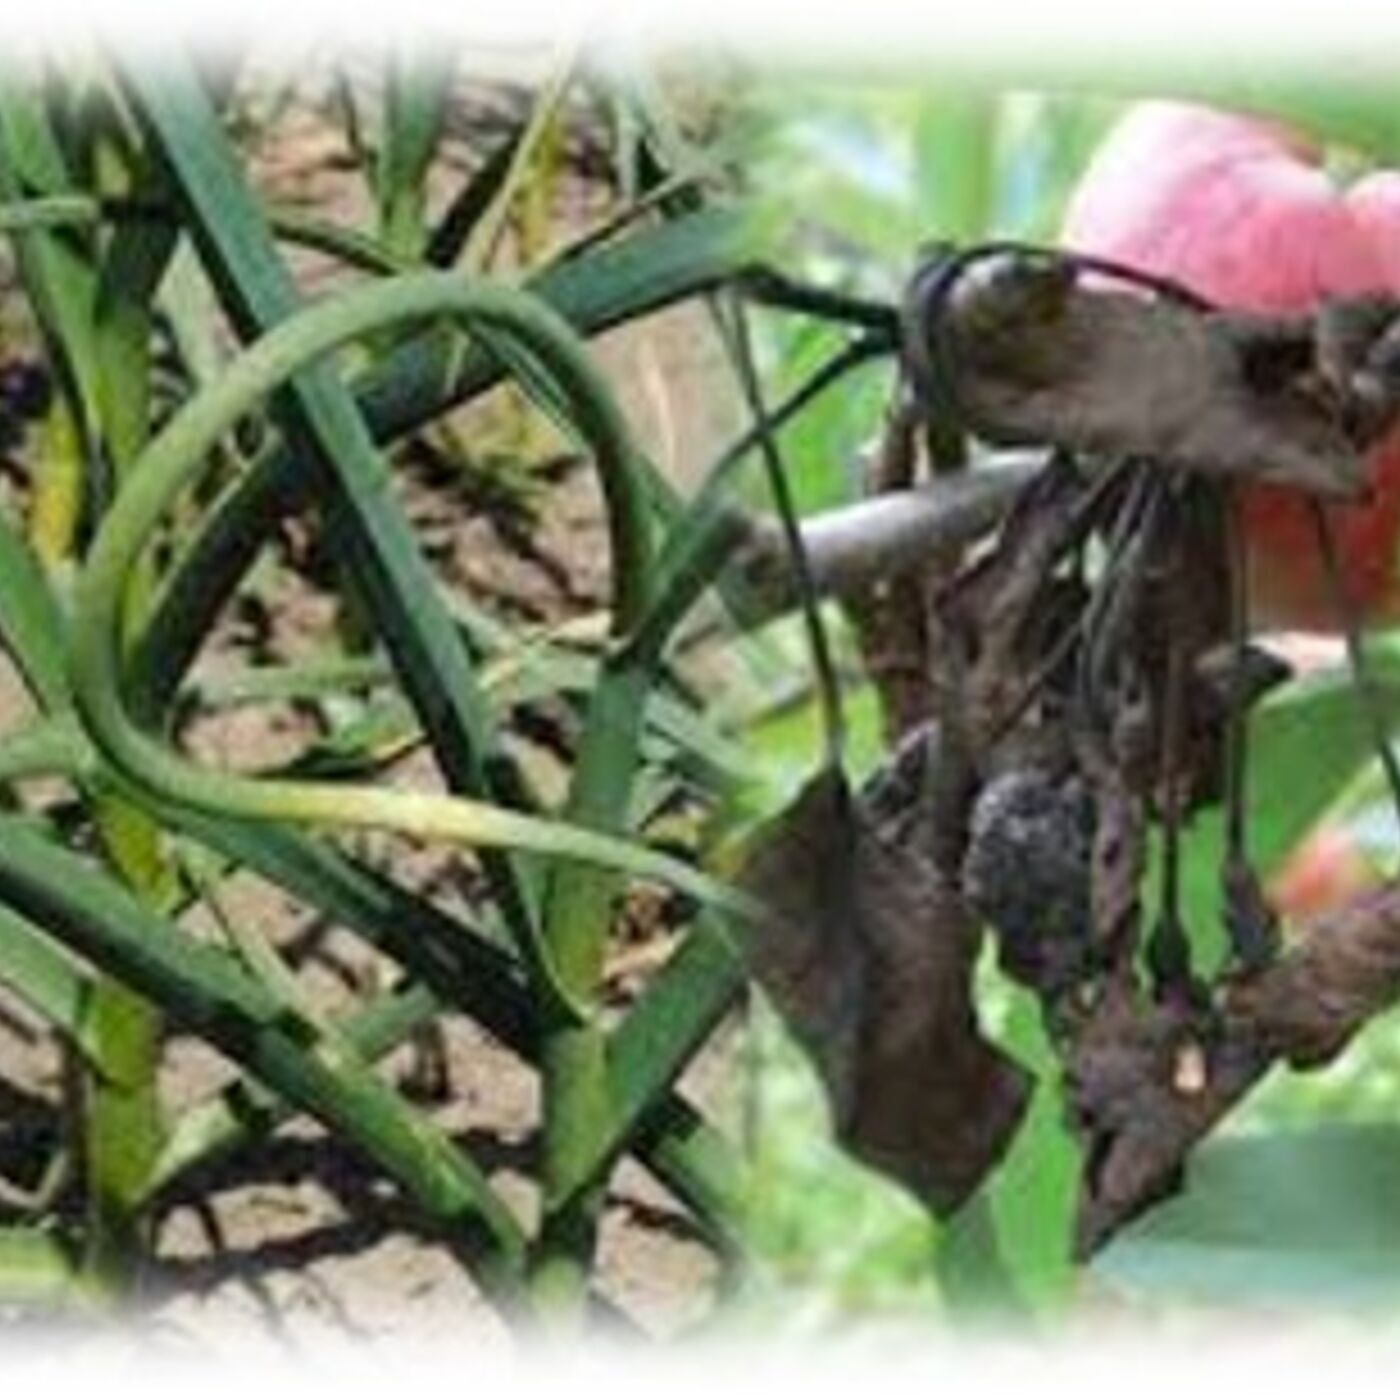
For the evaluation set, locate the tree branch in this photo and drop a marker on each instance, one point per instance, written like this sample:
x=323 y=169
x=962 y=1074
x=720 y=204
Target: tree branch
x=1172 y=1084
x=851 y=547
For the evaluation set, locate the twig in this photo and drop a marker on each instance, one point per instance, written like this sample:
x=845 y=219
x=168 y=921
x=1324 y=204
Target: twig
x=1302 y=1009
x=828 y=688
x=849 y=548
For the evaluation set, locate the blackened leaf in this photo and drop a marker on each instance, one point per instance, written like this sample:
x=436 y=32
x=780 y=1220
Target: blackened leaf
x=1104 y=371
x=868 y=955
x=807 y=956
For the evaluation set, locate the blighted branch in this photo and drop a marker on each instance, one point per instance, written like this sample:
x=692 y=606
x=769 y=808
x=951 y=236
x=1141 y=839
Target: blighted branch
x=849 y=548
x=1096 y=653
x=1175 y=1082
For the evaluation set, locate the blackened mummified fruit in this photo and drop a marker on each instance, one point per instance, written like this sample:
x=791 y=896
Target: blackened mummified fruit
x=1026 y=873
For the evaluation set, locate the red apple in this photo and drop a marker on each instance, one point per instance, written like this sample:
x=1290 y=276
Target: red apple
x=1240 y=210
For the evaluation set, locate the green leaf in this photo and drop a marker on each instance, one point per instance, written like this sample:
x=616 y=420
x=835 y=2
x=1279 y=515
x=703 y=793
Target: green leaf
x=1307 y=745
x=954 y=134
x=479 y=246
x=48 y=979
x=205 y=991
x=245 y=1110
x=674 y=1016
x=58 y=272
x=1034 y=1193
x=1011 y=1248
x=36 y=1270
x=1310 y=1218
x=32 y=628
x=418 y=85
x=129 y=278
x=647 y=1054
x=465 y=967
x=472 y=200
x=364 y=521
x=1356 y=109
x=617 y=283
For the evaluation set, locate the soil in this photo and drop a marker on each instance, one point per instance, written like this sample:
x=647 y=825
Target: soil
x=294 y=1240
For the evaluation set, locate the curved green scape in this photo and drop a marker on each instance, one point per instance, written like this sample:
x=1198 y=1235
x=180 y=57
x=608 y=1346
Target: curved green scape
x=178 y=455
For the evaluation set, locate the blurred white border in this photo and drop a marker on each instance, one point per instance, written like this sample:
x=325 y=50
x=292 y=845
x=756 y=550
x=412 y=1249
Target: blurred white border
x=1270 y=1360
x=1225 y=1356
x=1210 y=31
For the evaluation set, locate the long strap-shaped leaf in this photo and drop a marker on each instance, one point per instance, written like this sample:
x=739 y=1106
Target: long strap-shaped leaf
x=245 y=1109
x=58 y=277
x=36 y=1270
x=31 y=625
x=418 y=84
x=93 y=300
x=179 y=454
x=466 y=970
x=411 y=387
x=205 y=991
x=47 y=978
x=365 y=522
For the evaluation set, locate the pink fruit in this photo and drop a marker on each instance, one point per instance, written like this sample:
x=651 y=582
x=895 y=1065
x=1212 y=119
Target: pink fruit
x=1240 y=210
x=1375 y=205
x=1326 y=871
